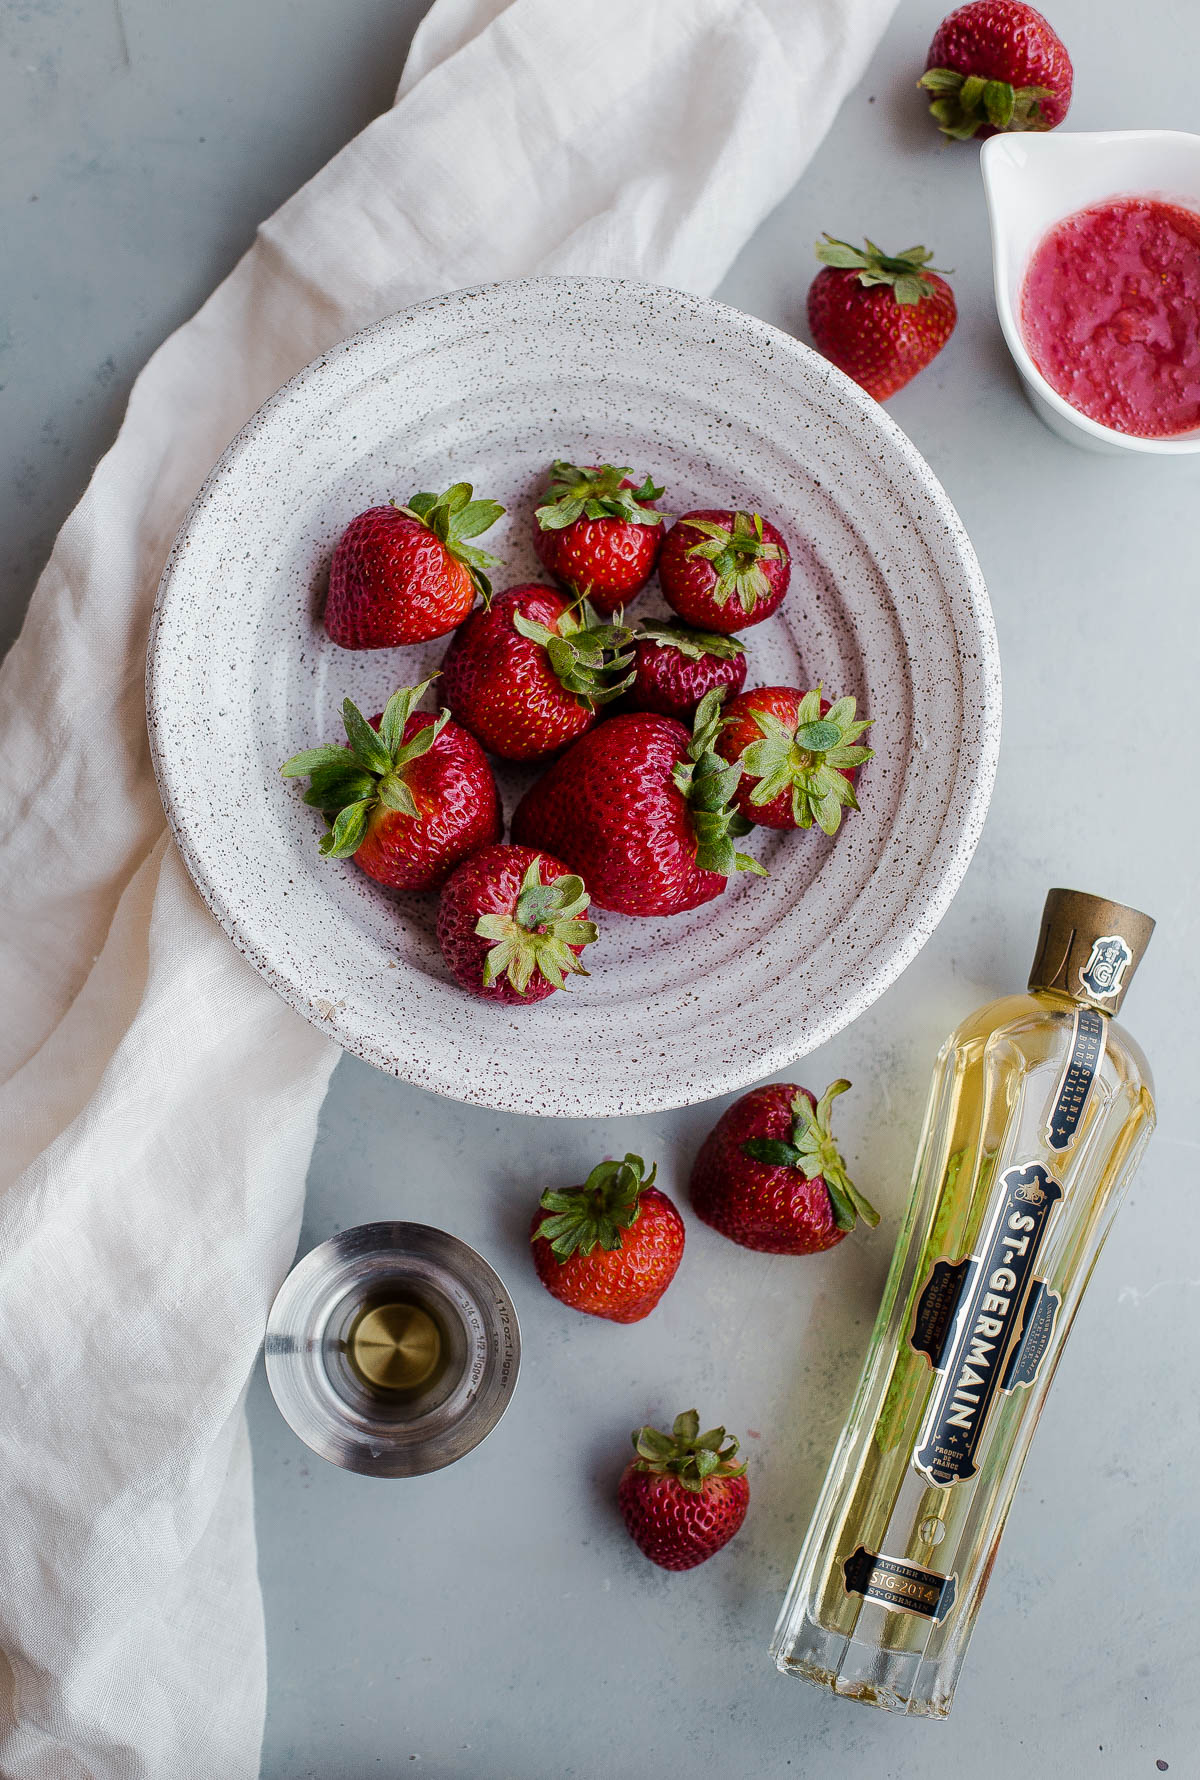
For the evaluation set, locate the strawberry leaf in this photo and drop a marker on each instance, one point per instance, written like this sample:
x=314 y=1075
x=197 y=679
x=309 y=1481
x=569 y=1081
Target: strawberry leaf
x=394 y=794
x=422 y=741
x=819 y=736
x=694 y=644
x=476 y=517
x=591 y=658
x=814 y=1153
x=333 y=787
x=576 y=493
x=708 y=782
x=736 y=552
x=346 y=835
x=907 y=272
x=649 y=1443
x=686 y=1454
x=999 y=103
x=311 y=760
x=537 y=938
x=772 y=1152
x=597 y=1213
x=812 y=1135
x=366 y=744
x=963 y=104
x=453 y=517
x=806 y=759
x=348 y=784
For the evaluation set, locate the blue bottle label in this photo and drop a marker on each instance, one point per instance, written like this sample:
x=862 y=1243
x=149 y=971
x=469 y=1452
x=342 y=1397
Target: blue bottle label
x=1087 y=1048
x=985 y=1324
x=896 y=1583
x=1110 y=959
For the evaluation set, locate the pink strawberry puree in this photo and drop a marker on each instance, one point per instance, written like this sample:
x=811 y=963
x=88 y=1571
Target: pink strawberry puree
x=1110 y=312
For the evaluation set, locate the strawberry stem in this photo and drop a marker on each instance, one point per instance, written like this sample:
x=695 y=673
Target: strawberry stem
x=708 y=783
x=597 y=1213
x=548 y=920
x=347 y=784
x=592 y=659
x=736 y=552
x=685 y=1453
x=907 y=272
x=964 y=103
x=595 y=493
x=454 y=517
x=807 y=759
x=814 y=1151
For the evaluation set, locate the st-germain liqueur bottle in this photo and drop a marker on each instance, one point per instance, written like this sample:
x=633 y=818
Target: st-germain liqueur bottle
x=1038 y=1114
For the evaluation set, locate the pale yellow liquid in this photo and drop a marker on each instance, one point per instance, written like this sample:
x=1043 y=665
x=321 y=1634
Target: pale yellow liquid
x=992 y=1091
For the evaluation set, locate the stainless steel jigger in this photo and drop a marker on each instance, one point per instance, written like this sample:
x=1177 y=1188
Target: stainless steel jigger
x=392 y=1349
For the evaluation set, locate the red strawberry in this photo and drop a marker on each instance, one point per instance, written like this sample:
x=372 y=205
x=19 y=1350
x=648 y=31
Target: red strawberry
x=879 y=317
x=406 y=574
x=411 y=796
x=770 y=1176
x=797 y=756
x=723 y=570
x=610 y=1247
x=529 y=674
x=996 y=65
x=511 y=924
x=683 y=1497
x=642 y=812
x=674 y=666
x=598 y=534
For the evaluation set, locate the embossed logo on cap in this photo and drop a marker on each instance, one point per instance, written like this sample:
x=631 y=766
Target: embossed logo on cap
x=1110 y=959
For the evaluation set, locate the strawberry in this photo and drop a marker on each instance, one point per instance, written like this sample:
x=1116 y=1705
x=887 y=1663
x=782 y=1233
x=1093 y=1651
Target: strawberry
x=529 y=674
x=511 y=924
x=674 y=666
x=406 y=574
x=598 y=534
x=723 y=570
x=611 y=1247
x=683 y=1497
x=642 y=812
x=879 y=317
x=996 y=65
x=410 y=796
x=797 y=756
x=770 y=1176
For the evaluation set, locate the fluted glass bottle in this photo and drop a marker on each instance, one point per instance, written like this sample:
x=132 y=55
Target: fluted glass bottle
x=1039 y=1111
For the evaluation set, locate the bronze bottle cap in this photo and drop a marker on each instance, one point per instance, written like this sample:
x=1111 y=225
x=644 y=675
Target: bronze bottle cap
x=1089 y=948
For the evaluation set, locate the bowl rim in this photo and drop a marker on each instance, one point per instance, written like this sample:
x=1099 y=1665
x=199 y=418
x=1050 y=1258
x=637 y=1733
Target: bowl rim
x=992 y=152
x=981 y=692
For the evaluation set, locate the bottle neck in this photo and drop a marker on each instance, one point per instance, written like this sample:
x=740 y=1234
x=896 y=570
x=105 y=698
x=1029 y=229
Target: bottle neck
x=1059 y=998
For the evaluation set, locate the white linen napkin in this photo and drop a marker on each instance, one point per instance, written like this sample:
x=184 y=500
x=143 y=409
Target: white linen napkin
x=159 y=1102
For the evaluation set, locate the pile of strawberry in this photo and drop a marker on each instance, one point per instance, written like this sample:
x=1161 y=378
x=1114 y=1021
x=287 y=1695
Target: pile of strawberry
x=654 y=757
x=769 y=1176
x=993 y=65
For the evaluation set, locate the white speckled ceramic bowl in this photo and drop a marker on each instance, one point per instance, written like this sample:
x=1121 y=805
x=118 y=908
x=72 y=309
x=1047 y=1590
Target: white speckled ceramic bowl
x=488 y=386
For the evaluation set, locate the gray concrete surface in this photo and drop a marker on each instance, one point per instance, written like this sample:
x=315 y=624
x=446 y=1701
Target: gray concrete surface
x=493 y=1622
